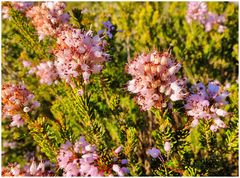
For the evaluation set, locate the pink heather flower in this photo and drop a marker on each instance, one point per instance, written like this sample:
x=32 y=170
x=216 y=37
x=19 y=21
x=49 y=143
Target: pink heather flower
x=80 y=92
x=33 y=168
x=154 y=80
x=48 y=18
x=205 y=103
x=154 y=152
x=16 y=100
x=47 y=72
x=26 y=63
x=17 y=121
x=179 y=90
x=221 y=28
x=118 y=150
x=81 y=159
x=213 y=128
x=20 y=6
x=28 y=170
x=214 y=20
x=9 y=144
x=219 y=123
x=118 y=170
x=195 y=122
x=197 y=11
x=167 y=146
x=41 y=167
x=5 y=12
x=26 y=109
x=79 y=53
x=15 y=170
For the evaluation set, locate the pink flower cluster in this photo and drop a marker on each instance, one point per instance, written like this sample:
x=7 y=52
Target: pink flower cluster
x=197 y=11
x=33 y=169
x=20 y=6
x=154 y=80
x=48 y=18
x=16 y=100
x=79 y=52
x=207 y=103
x=46 y=71
x=81 y=159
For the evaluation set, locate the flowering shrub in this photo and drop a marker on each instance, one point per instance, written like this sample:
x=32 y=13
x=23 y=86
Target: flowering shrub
x=205 y=104
x=198 y=11
x=48 y=18
x=154 y=79
x=119 y=89
x=16 y=101
x=79 y=53
x=88 y=164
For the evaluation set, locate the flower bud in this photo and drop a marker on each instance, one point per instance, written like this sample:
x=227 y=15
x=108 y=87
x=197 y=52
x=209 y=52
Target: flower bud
x=153 y=69
x=167 y=146
x=26 y=109
x=162 y=88
x=146 y=68
x=80 y=92
x=118 y=150
x=174 y=69
x=159 y=69
x=168 y=91
x=164 y=60
x=41 y=167
x=213 y=128
x=33 y=168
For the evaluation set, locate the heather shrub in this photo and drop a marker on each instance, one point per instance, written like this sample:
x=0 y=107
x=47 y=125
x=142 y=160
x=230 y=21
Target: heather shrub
x=120 y=89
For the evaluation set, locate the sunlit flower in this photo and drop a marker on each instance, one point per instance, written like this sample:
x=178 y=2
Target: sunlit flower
x=48 y=18
x=167 y=146
x=197 y=11
x=154 y=80
x=206 y=103
x=81 y=159
x=16 y=100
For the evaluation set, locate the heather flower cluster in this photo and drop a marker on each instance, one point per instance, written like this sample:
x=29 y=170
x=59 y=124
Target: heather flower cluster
x=198 y=11
x=17 y=100
x=46 y=71
x=82 y=159
x=79 y=53
x=20 y=6
x=207 y=103
x=48 y=18
x=154 y=80
x=30 y=169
